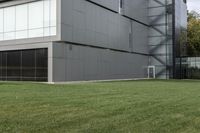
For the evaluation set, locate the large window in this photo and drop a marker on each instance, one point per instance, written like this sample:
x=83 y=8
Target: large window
x=36 y=19
x=24 y=65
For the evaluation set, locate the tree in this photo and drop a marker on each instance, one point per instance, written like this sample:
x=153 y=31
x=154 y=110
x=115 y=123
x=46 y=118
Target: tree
x=193 y=15
x=193 y=34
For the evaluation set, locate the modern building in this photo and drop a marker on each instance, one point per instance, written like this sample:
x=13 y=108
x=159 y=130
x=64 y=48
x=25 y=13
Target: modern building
x=77 y=40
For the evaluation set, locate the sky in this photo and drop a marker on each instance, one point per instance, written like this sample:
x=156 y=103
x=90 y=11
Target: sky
x=194 y=5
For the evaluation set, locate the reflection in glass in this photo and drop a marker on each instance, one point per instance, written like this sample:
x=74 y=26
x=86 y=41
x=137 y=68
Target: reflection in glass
x=21 y=17
x=21 y=34
x=9 y=35
x=1 y=21
x=36 y=19
x=53 y=13
x=9 y=19
x=36 y=15
x=46 y=13
x=36 y=32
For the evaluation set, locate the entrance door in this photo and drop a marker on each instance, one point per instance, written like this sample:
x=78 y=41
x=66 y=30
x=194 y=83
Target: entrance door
x=151 y=72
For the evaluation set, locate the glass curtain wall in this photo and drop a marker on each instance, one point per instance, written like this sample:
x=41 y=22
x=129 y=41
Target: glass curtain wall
x=190 y=67
x=180 y=39
x=35 y=19
x=24 y=65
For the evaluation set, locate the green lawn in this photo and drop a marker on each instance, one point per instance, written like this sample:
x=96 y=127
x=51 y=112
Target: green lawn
x=111 y=107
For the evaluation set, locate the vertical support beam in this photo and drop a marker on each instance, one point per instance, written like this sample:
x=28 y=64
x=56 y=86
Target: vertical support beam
x=174 y=39
x=50 y=63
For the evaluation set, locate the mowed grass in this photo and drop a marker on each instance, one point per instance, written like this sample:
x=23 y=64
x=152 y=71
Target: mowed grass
x=148 y=106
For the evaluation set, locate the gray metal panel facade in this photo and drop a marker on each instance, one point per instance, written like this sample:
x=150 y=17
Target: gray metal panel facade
x=78 y=63
x=86 y=23
x=137 y=9
x=101 y=43
x=111 y=4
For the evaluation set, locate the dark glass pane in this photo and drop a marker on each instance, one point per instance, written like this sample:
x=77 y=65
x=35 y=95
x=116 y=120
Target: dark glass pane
x=44 y=79
x=0 y=65
x=41 y=72
x=41 y=58
x=25 y=65
x=28 y=58
x=13 y=65
x=29 y=79
x=4 y=66
x=41 y=64
x=28 y=64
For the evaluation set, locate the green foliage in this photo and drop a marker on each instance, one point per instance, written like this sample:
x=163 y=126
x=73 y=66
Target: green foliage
x=193 y=15
x=149 y=106
x=193 y=34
